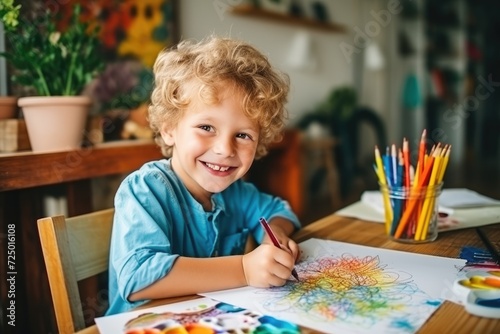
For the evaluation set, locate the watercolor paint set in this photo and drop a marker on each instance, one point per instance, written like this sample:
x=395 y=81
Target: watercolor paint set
x=479 y=292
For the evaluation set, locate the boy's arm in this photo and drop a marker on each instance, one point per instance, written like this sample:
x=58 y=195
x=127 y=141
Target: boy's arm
x=265 y=266
x=193 y=275
x=285 y=226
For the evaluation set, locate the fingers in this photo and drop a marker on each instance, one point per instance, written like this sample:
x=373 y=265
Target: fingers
x=291 y=247
x=295 y=249
x=267 y=266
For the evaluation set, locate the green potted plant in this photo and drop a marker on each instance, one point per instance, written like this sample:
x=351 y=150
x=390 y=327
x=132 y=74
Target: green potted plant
x=8 y=18
x=55 y=66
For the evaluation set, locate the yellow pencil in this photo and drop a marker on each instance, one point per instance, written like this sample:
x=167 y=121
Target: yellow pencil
x=445 y=155
x=415 y=186
x=446 y=158
x=385 y=194
x=426 y=213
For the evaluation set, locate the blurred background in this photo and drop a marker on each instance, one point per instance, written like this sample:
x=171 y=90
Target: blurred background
x=381 y=71
x=363 y=73
x=392 y=68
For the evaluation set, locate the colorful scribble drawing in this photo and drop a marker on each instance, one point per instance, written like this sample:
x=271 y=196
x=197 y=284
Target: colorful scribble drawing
x=354 y=292
x=349 y=288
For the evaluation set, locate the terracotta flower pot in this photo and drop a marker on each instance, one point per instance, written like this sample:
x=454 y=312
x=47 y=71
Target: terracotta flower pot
x=8 y=107
x=55 y=123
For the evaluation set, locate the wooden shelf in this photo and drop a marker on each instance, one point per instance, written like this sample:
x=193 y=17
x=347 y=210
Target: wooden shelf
x=252 y=11
x=27 y=169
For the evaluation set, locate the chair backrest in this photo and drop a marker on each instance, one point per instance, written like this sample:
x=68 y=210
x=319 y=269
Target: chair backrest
x=74 y=249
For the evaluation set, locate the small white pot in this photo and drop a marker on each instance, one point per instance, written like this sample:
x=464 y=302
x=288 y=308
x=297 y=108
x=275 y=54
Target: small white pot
x=55 y=123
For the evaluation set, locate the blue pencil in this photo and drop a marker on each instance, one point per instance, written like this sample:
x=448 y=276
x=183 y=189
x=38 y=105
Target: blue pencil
x=398 y=203
x=386 y=159
x=394 y=157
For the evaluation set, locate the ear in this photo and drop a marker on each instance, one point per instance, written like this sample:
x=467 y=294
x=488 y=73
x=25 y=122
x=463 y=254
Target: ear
x=167 y=135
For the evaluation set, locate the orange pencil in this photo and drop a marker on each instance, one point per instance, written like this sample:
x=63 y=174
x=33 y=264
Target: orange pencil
x=423 y=179
x=427 y=210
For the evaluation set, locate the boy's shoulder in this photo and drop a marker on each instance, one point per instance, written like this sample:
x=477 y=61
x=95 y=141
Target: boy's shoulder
x=152 y=169
x=162 y=164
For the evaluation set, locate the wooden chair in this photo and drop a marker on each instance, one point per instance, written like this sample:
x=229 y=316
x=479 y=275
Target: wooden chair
x=74 y=249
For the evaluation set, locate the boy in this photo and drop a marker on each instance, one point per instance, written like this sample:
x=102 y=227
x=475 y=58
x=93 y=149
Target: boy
x=181 y=224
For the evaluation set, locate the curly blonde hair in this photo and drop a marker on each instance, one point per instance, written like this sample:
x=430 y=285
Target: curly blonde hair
x=205 y=66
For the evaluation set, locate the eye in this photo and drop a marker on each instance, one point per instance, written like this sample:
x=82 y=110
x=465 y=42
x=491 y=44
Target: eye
x=206 y=127
x=244 y=136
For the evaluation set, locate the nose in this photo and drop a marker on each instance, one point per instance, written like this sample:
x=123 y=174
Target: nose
x=224 y=146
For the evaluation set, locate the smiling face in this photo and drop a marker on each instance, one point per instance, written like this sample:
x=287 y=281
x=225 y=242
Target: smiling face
x=213 y=145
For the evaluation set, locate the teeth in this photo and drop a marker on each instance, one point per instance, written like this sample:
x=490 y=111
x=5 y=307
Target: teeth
x=216 y=167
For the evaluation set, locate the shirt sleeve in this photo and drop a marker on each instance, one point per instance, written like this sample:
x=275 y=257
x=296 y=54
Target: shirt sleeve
x=141 y=250
x=256 y=204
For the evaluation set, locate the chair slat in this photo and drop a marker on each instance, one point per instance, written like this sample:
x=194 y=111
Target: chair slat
x=74 y=248
x=89 y=239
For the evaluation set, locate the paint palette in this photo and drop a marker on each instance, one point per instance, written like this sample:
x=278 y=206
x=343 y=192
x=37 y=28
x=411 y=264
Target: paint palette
x=480 y=293
x=484 y=303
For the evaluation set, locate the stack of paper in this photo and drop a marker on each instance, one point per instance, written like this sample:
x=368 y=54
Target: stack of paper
x=465 y=198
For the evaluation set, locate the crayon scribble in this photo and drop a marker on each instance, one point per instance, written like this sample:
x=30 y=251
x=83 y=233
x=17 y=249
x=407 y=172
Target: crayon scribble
x=357 y=291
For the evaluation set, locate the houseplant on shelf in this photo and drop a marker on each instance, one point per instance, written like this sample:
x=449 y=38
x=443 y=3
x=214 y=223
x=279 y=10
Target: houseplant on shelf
x=8 y=18
x=55 y=66
x=121 y=93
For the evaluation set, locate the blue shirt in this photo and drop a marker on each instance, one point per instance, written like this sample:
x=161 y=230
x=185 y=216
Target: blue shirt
x=157 y=219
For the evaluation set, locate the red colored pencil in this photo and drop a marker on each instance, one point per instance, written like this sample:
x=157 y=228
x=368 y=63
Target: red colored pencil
x=421 y=152
x=275 y=241
x=406 y=160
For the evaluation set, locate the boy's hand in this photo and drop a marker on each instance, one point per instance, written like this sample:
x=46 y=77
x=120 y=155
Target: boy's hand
x=285 y=242
x=268 y=265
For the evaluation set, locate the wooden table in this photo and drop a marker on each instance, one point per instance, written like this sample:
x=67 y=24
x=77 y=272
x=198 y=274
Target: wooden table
x=449 y=318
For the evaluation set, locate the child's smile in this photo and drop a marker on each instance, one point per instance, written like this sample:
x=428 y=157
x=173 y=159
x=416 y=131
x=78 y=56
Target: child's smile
x=213 y=145
x=218 y=169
